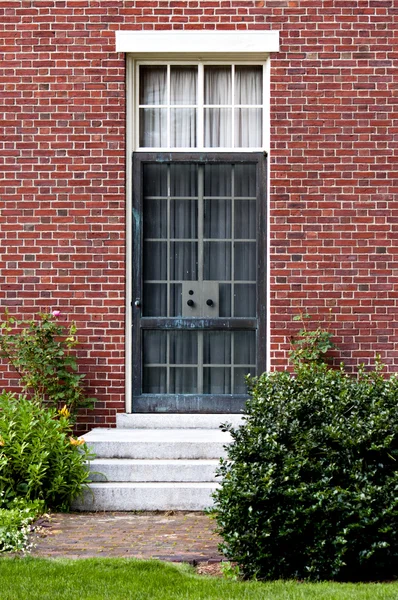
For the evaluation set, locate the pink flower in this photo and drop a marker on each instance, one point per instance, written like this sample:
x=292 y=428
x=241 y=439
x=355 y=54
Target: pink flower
x=56 y=313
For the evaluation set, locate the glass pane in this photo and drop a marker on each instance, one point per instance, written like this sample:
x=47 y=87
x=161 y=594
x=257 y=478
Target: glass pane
x=218 y=85
x=155 y=180
x=183 y=380
x=217 y=261
x=245 y=219
x=248 y=127
x=155 y=219
x=225 y=300
x=153 y=85
x=154 y=380
x=248 y=85
x=245 y=300
x=153 y=127
x=240 y=386
x=155 y=347
x=217 y=219
x=183 y=85
x=218 y=180
x=175 y=300
x=155 y=300
x=183 y=348
x=184 y=261
x=184 y=218
x=155 y=260
x=218 y=128
x=245 y=261
x=216 y=380
x=245 y=347
x=216 y=348
x=245 y=181
x=184 y=180
x=183 y=127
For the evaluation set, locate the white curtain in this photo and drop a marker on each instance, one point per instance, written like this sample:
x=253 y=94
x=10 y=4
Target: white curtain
x=221 y=113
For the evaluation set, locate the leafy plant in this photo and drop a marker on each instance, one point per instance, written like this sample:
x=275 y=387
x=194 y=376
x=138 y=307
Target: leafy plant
x=310 y=345
x=15 y=524
x=41 y=352
x=310 y=483
x=39 y=457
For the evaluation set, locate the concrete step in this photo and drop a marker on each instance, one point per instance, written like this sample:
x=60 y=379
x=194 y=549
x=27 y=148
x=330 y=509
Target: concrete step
x=146 y=496
x=144 y=470
x=158 y=443
x=175 y=421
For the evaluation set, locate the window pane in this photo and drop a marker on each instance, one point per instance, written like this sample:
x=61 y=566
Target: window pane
x=155 y=261
x=245 y=347
x=218 y=180
x=245 y=300
x=240 y=386
x=245 y=219
x=216 y=348
x=224 y=299
x=248 y=127
x=155 y=300
x=183 y=85
x=183 y=380
x=217 y=261
x=175 y=300
x=217 y=219
x=155 y=347
x=218 y=85
x=183 y=127
x=216 y=380
x=155 y=219
x=248 y=85
x=183 y=347
x=154 y=380
x=245 y=181
x=153 y=127
x=218 y=128
x=245 y=261
x=184 y=180
x=153 y=85
x=155 y=180
x=184 y=218
x=184 y=261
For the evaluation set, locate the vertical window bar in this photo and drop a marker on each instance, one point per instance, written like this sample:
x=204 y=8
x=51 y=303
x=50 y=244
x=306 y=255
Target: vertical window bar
x=200 y=115
x=233 y=105
x=233 y=241
x=168 y=257
x=168 y=100
x=167 y=333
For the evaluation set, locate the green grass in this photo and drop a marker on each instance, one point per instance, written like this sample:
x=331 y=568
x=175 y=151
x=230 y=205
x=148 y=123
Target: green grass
x=120 y=579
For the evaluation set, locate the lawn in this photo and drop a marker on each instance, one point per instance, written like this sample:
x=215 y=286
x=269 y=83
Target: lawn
x=122 y=579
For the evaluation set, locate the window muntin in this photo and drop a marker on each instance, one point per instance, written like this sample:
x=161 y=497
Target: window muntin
x=200 y=106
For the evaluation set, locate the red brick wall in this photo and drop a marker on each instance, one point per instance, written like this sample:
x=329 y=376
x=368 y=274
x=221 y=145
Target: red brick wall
x=333 y=206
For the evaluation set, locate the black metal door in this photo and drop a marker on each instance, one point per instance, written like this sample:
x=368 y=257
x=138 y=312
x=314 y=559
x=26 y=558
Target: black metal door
x=199 y=280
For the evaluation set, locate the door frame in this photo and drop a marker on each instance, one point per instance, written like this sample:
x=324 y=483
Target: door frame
x=191 y=402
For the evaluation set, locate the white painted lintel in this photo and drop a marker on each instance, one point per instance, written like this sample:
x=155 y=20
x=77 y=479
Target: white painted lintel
x=145 y=44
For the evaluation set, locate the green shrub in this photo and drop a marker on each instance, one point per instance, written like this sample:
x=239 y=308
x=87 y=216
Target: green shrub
x=310 y=484
x=41 y=352
x=15 y=523
x=39 y=457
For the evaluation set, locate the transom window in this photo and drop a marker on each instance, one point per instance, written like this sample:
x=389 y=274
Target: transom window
x=200 y=106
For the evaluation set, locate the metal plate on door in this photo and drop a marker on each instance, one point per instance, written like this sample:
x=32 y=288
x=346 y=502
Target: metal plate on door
x=200 y=299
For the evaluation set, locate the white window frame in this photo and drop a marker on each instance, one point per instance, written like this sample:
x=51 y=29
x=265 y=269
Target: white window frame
x=212 y=47
x=200 y=106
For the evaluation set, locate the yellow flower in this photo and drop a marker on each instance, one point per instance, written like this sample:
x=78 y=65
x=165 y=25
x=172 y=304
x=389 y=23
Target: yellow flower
x=1 y=441
x=64 y=412
x=76 y=442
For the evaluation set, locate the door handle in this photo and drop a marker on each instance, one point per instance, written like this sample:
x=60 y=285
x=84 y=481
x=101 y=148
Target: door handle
x=137 y=303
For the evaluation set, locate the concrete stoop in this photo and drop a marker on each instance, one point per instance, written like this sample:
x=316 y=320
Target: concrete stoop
x=155 y=462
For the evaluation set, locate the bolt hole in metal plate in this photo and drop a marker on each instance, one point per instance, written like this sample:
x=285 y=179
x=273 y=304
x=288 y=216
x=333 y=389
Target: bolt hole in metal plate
x=200 y=299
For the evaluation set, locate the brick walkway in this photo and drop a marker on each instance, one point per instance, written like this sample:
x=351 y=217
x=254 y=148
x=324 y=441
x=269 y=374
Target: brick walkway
x=177 y=537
